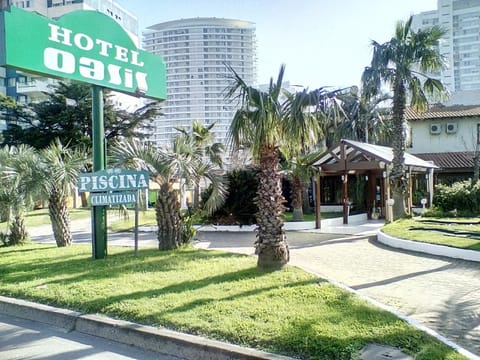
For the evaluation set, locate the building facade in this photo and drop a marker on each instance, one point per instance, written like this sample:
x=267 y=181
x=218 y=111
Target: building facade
x=461 y=44
x=449 y=136
x=196 y=52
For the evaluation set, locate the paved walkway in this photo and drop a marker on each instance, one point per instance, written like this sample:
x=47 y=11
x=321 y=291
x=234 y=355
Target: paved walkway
x=441 y=293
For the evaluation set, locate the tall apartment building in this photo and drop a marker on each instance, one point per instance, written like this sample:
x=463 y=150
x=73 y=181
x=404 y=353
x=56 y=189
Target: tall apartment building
x=195 y=52
x=461 y=45
x=26 y=88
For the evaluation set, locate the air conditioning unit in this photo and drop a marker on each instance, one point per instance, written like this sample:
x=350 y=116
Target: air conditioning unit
x=435 y=129
x=451 y=128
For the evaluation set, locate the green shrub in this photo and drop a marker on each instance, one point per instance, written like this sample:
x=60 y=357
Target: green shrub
x=239 y=207
x=461 y=198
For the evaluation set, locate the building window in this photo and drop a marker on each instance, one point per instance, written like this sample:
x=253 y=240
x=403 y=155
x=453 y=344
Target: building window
x=478 y=133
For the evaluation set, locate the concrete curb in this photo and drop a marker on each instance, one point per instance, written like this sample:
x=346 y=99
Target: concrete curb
x=145 y=337
x=426 y=248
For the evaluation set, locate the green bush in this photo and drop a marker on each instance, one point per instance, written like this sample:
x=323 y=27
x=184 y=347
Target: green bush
x=239 y=207
x=461 y=198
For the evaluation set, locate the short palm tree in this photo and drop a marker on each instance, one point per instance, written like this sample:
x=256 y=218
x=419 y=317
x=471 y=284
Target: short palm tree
x=201 y=137
x=263 y=125
x=299 y=171
x=404 y=63
x=19 y=173
x=61 y=168
x=168 y=168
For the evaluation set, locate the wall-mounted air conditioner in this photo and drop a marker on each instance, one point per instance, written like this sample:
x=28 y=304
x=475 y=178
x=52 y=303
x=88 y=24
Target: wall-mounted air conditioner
x=451 y=128
x=435 y=129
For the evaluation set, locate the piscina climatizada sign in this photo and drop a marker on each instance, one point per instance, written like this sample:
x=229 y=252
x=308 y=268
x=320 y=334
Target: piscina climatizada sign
x=113 y=180
x=83 y=45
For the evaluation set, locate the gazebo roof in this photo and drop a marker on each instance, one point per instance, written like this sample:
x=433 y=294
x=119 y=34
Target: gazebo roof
x=353 y=156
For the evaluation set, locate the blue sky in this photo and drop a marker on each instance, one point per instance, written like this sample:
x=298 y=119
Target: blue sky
x=322 y=42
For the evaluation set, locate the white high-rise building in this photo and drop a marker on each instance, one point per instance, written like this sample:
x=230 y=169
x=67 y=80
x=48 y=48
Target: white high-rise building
x=461 y=44
x=196 y=52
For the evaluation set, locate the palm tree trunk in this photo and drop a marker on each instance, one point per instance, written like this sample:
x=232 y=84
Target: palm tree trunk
x=398 y=180
x=60 y=219
x=167 y=209
x=18 y=232
x=271 y=244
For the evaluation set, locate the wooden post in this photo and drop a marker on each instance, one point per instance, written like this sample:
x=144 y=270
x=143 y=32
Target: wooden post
x=345 y=197
x=318 y=223
x=410 y=191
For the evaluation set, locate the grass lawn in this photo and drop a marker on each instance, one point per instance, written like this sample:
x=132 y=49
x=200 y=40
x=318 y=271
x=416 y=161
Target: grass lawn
x=462 y=233
x=40 y=217
x=214 y=294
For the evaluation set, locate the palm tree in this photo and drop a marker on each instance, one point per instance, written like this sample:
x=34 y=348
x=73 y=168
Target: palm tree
x=263 y=125
x=403 y=63
x=167 y=168
x=201 y=138
x=364 y=119
x=299 y=170
x=19 y=173
x=61 y=168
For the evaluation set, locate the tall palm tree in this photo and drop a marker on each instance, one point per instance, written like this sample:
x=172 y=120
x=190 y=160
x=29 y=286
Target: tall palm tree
x=404 y=63
x=61 y=168
x=364 y=119
x=262 y=124
x=167 y=168
x=19 y=173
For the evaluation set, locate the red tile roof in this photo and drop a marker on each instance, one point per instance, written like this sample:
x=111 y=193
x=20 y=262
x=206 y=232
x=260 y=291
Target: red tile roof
x=439 y=111
x=450 y=160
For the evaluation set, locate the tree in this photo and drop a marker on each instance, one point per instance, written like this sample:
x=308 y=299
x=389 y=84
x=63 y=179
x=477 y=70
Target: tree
x=168 y=168
x=201 y=138
x=19 y=174
x=67 y=115
x=403 y=63
x=364 y=119
x=61 y=166
x=299 y=170
x=262 y=124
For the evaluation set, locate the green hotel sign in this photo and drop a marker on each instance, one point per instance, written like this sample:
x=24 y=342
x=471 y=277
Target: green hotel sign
x=86 y=46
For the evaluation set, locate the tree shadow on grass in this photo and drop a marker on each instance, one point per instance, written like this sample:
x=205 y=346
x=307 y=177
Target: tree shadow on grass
x=184 y=286
x=306 y=339
x=71 y=269
x=15 y=249
x=451 y=232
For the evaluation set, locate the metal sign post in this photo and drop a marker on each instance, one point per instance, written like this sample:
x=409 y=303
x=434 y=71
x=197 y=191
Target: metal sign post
x=99 y=213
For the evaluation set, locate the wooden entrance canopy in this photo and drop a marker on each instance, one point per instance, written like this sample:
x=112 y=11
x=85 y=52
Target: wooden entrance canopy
x=353 y=157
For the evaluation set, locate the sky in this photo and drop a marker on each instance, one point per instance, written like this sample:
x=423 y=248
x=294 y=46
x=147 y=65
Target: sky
x=321 y=42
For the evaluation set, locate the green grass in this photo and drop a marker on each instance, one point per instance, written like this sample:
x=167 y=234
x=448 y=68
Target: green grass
x=461 y=233
x=213 y=294
x=311 y=217
x=145 y=218
x=40 y=217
